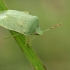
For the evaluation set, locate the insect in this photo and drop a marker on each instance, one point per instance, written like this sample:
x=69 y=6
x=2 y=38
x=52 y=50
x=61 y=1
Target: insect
x=21 y=22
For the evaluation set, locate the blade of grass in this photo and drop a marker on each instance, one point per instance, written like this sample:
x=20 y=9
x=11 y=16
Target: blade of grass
x=28 y=50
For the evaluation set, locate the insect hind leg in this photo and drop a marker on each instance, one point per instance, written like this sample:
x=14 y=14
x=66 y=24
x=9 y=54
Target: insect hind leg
x=11 y=36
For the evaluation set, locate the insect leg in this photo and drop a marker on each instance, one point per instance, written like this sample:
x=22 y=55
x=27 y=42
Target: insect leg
x=29 y=40
x=11 y=36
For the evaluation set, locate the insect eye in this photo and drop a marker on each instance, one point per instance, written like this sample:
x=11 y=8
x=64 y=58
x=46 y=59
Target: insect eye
x=36 y=34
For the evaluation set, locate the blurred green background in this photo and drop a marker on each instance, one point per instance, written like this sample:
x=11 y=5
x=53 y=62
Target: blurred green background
x=53 y=49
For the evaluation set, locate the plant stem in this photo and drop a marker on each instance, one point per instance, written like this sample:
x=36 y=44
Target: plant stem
x=29 y=52
x=26 y=48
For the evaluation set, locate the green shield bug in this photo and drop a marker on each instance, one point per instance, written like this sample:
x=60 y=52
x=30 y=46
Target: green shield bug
x=21 y=22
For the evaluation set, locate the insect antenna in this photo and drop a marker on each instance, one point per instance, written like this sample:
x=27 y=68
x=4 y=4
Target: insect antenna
x=53 y=27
